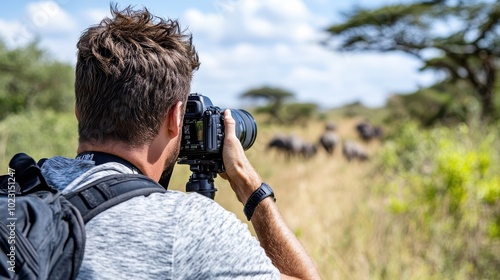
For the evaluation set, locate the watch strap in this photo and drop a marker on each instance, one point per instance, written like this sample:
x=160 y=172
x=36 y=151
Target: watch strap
x=257 y=196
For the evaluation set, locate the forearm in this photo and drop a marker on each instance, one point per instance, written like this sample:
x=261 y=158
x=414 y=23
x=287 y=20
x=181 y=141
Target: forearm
x=278 y=241
x=280 y=244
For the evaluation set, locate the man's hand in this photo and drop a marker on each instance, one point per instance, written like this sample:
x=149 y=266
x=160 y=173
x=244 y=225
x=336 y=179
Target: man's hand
x=239 y=172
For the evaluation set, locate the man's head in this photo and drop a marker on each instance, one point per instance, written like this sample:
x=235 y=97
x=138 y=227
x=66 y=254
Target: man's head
x=132 y=69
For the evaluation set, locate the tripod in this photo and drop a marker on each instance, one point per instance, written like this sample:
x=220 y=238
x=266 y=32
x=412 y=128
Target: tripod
x=204 y=172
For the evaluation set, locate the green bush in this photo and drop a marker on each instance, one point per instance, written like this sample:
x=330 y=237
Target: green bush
x=31 y=80
x=39 y=134
x=443 y=186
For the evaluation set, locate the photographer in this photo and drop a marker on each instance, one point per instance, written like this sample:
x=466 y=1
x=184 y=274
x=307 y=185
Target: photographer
x=133 y=78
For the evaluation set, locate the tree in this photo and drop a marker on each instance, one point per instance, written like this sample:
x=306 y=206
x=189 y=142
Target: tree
x=459 y=38
x=274 y=98
x=30 y=80
x=300 y=112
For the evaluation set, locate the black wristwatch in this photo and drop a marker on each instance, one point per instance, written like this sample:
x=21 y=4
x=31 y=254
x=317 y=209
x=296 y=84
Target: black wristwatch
x=257 y=196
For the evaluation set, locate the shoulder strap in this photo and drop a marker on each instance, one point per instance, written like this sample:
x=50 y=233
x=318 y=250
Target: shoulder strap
x=110 y=191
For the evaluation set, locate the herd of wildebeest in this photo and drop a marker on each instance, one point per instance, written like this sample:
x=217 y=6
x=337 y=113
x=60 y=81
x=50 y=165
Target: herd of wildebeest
x=294 y=146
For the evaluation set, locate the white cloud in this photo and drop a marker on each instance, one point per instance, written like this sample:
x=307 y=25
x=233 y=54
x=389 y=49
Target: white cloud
x=275 y=42
x=209 y=27
x=270 y=20
x=248 y=43
x=47 y=17
x=57 y=30
x=14 y=33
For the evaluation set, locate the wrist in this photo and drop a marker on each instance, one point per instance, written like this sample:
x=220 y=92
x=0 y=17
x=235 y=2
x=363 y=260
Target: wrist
x=263 y=192
x=247 y=191
x=244 y=186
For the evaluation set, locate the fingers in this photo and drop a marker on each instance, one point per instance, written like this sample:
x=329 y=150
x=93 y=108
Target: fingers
x=239 y=172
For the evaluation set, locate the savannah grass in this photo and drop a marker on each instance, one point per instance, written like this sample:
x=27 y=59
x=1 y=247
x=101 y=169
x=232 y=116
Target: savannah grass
x=426 y=206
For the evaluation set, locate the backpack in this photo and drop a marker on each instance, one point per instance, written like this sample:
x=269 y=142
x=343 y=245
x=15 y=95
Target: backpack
x=43 y=231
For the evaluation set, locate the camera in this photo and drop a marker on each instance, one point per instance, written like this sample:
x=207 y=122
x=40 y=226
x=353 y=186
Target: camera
x=203 y=128
x=202 y=140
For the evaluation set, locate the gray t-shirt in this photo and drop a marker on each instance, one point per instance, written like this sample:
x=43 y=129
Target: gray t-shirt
x=163 y=236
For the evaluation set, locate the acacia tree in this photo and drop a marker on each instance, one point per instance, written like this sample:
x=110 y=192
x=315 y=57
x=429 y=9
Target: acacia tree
x=274 y=98
x=459 y=37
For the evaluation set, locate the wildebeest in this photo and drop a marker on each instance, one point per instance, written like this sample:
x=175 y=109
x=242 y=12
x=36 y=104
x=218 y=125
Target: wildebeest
x=308 y=150
x=353 y=151
x=367 y=131
x=278 y=142
x=292 y=146
x=329 y=139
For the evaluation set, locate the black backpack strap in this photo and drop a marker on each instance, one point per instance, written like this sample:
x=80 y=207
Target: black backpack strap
x=110 y=191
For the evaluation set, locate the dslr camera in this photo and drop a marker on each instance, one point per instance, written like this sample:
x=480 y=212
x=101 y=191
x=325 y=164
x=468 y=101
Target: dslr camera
x=203 y=139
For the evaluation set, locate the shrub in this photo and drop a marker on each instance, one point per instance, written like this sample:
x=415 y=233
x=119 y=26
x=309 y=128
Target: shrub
x=443 y=186
x=39 y=134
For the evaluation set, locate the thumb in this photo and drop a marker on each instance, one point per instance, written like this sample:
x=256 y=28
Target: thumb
x=229 y=123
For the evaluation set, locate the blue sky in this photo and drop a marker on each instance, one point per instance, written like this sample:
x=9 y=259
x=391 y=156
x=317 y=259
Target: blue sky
x=242 y=44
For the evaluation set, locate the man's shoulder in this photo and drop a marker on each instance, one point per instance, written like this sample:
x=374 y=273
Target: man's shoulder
x=176 y=204
x=186 y=206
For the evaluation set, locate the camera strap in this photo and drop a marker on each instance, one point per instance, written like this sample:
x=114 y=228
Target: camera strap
x=102 y=158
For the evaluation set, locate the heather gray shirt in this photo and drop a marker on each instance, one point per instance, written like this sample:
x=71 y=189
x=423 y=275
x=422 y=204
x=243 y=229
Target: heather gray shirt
x=163 y=236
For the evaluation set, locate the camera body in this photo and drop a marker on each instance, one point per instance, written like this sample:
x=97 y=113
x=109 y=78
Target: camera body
x=202 y=129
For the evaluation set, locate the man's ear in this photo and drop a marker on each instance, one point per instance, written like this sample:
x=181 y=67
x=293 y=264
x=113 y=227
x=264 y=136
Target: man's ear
x=76 y=112
x=174 y=118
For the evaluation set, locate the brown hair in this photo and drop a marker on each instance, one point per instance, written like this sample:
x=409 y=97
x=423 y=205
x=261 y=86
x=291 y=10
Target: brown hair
x=131 y=69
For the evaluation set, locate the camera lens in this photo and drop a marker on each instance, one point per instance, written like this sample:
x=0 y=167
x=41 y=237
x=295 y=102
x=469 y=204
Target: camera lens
x=246 y=128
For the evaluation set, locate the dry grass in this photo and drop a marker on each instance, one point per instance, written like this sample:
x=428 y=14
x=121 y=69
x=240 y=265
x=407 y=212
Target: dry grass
x=338 y=210
x=316 y=197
